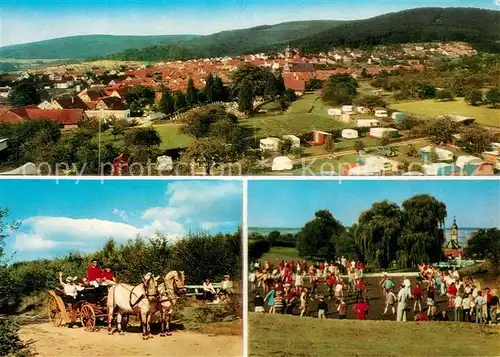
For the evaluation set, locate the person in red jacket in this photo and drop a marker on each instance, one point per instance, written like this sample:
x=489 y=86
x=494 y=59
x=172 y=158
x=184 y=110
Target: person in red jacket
x=360 y=289
x=417 y=296
x=107 y=275
x=361 y=267
x=421 y=317
x=94 y=273
x=361 y=310
x=452 y=293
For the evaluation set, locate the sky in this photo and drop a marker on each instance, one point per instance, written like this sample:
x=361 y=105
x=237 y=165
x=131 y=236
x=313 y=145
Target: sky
x=64 y=216
x=23 y=21
x=290 y=204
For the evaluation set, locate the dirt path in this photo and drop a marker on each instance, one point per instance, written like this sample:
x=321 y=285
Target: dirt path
x=50 y=341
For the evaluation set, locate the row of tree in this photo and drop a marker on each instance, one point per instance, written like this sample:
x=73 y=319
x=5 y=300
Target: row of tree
x=384 y=235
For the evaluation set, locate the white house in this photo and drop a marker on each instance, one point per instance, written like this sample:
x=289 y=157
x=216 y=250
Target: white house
x=366 y=123
x=443 y=155
x=282 y=163
x=334 y=111
x=269 y=144
x=349 y=134
x=467 y=159
x=348 y=109
x=295 y=140
x=381 y=113
x=380 y=132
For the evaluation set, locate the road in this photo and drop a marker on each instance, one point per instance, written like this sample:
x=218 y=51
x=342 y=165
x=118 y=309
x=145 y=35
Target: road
x=50 y=341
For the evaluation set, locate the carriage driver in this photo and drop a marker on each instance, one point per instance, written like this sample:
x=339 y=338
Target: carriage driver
x=94 y=273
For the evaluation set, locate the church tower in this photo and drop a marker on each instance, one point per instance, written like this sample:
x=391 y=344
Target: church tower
x=454 y=230
x=288 y=59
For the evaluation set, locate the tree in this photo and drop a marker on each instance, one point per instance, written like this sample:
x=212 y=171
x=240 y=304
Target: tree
x=441 y=130
x=433 y=155
x=412 y=151
x=317 y=238
x=262 y=81
x=117 y=130
x=273 y=237
x=314 y=84
x=339 y=89
x=179 y=101
x=445 y=95
x=386 y=139
x=359 y=146
x=220 y=91
x=22 y=94
x=377 y=233
x=474 y=97
x=409 y=123
x=139 y=98
x=422 y=238
x=209 y=89
x=245 y=97
x=191 y=94
x=330 y=144
x=477 y=139
x=485 y=244
x=370 y=102
x=167 y=103
x=207 y=153
x=425 y=91
x=198 y=122
x=285 y=147
x=493 y=97
x=142 y=137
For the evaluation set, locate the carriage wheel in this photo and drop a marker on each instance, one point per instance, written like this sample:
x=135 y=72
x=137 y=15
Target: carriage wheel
x=54 y=313
x=87 y=317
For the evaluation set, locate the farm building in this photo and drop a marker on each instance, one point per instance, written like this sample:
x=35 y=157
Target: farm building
x=439 y=169
x=348 y=109
x=295 y=140
x=270 y=144
x=334 y=112
x=319 y=137
x=282 y=163
x=443 y=155
x=398 y=116
x=381 y=113
x=367 y=123
x=380 y=132
x=349 y=134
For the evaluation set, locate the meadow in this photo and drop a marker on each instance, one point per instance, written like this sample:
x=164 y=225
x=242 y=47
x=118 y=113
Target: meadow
x=430 y=108
x=312 y=337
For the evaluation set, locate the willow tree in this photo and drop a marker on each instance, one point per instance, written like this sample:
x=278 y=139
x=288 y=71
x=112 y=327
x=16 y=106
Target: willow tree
x=317 y=238
x=423 y=237
x=378 y=232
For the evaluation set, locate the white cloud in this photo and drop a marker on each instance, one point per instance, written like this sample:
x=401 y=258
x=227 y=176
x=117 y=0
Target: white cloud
x=120 y=213
x=32 y=242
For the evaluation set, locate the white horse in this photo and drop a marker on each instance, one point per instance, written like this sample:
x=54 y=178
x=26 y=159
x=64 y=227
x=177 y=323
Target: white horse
x=142 y=299
x=169 y=291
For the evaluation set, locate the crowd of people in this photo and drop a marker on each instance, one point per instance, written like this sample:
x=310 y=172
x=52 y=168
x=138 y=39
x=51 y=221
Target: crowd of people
x=282 y=289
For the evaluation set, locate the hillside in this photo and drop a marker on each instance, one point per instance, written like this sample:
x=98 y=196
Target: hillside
x=231 y=43
x=85 y=46
x=481 y=28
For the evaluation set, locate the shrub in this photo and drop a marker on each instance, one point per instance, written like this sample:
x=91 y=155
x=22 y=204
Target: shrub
x=10 y=343
x=258 y=248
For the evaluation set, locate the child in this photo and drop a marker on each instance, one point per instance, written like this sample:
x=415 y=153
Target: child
x=342 y=309
x=279 y=303
x=390 y=300
x=322 y=308
x=417 y=295
x=258 y=302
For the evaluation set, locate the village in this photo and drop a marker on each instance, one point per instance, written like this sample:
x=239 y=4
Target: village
x=307 y=135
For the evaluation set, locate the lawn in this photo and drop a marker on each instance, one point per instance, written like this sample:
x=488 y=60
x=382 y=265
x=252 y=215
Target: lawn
x=431 y=108
x=276 y=254
x=169 y=133
x=312 y=337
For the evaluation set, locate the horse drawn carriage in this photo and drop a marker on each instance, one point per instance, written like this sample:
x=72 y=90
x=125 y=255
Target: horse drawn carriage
x=88 y=308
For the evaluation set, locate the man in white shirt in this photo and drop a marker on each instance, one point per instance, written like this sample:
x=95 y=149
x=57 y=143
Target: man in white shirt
x=70 y=288
x=458 y=307
x=403 y=296
x=227 y=285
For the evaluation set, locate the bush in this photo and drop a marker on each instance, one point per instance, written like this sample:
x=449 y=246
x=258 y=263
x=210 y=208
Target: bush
x=10 y=343
x=258 y=248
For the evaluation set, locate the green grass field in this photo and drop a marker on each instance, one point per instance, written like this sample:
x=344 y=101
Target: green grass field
x=276 y=254
x=284 y=335
x=431 y=108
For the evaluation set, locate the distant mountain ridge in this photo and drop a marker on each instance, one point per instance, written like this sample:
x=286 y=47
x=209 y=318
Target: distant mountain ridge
x=85 y=46
x=479 y=27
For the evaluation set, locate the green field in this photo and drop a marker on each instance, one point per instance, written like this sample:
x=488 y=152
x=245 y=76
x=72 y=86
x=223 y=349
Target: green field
x=170 y=136
x=431 y=108
x=276 y=254
x=306 y=337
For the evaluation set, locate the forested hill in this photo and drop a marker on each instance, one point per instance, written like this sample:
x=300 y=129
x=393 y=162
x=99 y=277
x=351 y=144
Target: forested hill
x=85 y=46
x=481 y=28
x=231 y=43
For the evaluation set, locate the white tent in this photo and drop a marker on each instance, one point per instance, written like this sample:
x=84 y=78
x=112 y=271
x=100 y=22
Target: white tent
x=467 y=159
x=164 y=163
x=282 y=163
x=349 y=134
x=380 y=132
x=27 y=169
x=443 y=155
x=269 y=144
x=366 y=123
